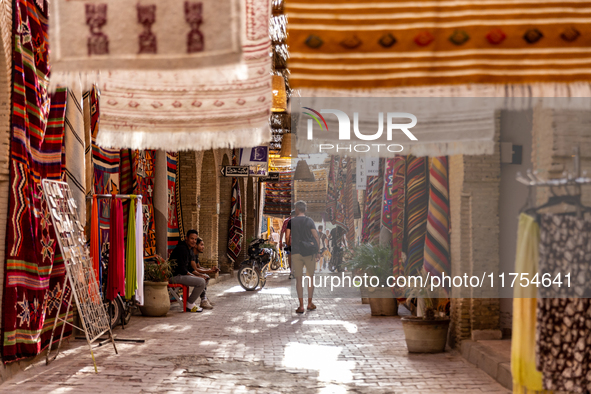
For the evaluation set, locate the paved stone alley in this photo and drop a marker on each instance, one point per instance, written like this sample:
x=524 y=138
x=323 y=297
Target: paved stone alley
x=254 y=342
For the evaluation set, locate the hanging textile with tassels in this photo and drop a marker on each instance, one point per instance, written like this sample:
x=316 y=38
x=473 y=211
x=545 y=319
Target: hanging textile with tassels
x=417 y=200
x=437 y=259
x=235 y=231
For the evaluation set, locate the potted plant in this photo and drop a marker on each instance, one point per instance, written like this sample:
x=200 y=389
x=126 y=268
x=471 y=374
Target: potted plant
x=426 y=333
x=375 y=261
x=156 y=299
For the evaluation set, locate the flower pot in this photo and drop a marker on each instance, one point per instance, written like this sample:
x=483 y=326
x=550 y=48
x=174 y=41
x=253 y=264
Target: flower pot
x=364 y=300
x=383 y=306
x=156 y=299
x=425 y=336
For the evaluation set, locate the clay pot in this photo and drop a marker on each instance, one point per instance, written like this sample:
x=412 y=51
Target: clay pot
x=383 y=306
x=156 y=299
x=425 y=336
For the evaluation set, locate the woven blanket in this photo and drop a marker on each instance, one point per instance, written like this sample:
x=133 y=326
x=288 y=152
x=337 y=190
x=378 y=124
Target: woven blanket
x=370 y=228
x=143 y=170
x=235 y=231
x=394 y=43
x=337 y=196
x=172 y=232
x=313 y=193
x=417 y=200
x=179 y=211
x=388 y=199
x=75 y=150
x=278 y=201
x=437 y=257
x=350 y=200
x=141 y=35
x=195 y=109
x=397 y=214
x=331 y=190
x=34 y=269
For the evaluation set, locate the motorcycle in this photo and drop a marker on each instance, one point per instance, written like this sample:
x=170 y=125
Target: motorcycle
x=254 y=270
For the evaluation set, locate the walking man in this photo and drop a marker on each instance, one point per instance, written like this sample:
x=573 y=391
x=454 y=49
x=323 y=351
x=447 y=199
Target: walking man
x=184 y=273
x=303 y=238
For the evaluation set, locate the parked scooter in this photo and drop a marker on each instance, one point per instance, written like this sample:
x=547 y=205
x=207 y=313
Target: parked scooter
x=254 y=270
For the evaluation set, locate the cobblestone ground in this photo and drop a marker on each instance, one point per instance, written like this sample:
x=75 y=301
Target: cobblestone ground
x=254 y=342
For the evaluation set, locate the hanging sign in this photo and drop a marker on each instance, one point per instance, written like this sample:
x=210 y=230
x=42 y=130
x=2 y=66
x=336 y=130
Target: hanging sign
x=373 y=166
x=361 y=174
x=257 y=159
x=273 y=177
x=238 y=171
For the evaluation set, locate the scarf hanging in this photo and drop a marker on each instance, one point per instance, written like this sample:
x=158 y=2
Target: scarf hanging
x=74 y=140
x=436 y=252
x=94 y=239
x=236 y=231
x=139 y=251
x=417 y=199
x=34 y=269
x=172 y=234
x=116 y=268
x=370 y=230
x=131 y=283
x=143 y=165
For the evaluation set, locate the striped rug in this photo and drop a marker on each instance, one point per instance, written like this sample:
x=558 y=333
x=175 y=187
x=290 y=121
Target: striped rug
x=417 y=200
x=437 y=260
x=370 y=230
x=394 y=43
x=278 y=201
x=398 y=201
x=349 y=198
x=172 y=234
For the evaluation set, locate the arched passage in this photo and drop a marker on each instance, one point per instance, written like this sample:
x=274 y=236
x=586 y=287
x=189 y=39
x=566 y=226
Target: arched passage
x=225 y=202
x=208 y=210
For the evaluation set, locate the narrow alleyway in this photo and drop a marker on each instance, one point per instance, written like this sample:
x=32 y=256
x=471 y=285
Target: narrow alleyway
x=256 y=343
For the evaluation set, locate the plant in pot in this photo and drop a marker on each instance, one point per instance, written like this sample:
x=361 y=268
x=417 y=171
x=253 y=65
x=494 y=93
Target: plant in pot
x=426 y=333
x=156 y=275
x=375 y=261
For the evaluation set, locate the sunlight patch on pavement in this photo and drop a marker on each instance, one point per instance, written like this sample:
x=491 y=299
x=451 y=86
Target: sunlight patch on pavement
x=277 y=290
x=324 y=359
x=167 y=328
x=235 y=289
x=350 y=327
x=333 y=389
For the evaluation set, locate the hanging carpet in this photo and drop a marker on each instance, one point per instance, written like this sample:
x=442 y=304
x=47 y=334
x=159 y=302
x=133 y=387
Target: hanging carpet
x=195 y=109
x=172 y=231
x=394 y=43
x=331 y=188
x=278 y=201
x=116 y=271
x=103 y=35
x=417 y=200
x=314 y=194
x=337 y=191
x=397 y=214
x=235 y=231
x=34 y=269
x=143 y=170
x=370 y=230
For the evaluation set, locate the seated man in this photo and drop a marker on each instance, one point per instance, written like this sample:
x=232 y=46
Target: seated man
x=184 y=273
x=203 y=273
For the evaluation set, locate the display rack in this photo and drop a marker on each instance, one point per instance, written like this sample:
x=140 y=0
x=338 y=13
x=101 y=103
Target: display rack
x=80 y=276
x=569 y=179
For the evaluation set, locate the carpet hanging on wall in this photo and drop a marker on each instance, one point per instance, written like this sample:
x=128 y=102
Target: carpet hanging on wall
x=370 y=230
x=195 y=109
x=236 y=230
x=417 y=200
x=336 y=200
x=278 y=199
x=143 y=170
x=397 y=215
x=331 y=191
x=177 y=194
x=354 y=45
x=34 y=268
x=172 y=232
x=437 y=259
x=349 y=200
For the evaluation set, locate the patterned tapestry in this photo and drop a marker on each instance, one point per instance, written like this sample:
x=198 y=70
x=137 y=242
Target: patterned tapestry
x=396 y=43
x=388 y=199
x=338 y=196
x=278 y=199
x=398 y=201
x=34 y=267
x=143 y=165
x=370 y=230
x=417 y=200
x=172 y=233
x=437 y=259
x=350 y=199
x=235 y=232
x=331 y=188
x=179 y=211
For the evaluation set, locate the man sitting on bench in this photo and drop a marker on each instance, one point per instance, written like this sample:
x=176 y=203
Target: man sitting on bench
x=184 y=273
x=199 y=248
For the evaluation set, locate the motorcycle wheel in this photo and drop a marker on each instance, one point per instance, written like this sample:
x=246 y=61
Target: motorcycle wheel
x=248 y=277
x=263 y=277
x=113 y=312
x=275 y=264
x=125 y=311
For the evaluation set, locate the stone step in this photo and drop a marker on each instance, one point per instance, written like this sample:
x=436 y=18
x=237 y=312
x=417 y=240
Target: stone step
x=493 y=357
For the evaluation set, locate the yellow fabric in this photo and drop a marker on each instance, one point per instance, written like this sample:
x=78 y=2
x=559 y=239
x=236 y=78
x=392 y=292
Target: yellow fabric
x=526 y=379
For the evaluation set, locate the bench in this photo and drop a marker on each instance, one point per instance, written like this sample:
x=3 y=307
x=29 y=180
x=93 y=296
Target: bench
x=172 y=291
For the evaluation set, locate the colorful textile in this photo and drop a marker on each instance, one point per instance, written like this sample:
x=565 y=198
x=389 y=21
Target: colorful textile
x=91 y=36
x=370 y=230
x=34 y=269
x=131 y=283
x=143 y=164
x=94 y=238
x=388 y=200
x=331 y=188
x=179 y=211
x=337 y=194
x=437 y=257
x=172 y=232
x=417 y=201
x=349 y=201
x=394 y=43
x=314 y=194
x=139 y=249
x=235 y=232
x=196 y=109
x=88 y=164
x=116 y=269
x=75 y=150
x=398 y=205
x=523 y=344
x=278 y=199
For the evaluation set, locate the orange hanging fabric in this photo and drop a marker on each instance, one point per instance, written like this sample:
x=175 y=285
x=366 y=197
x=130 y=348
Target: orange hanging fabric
x=94 y=238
